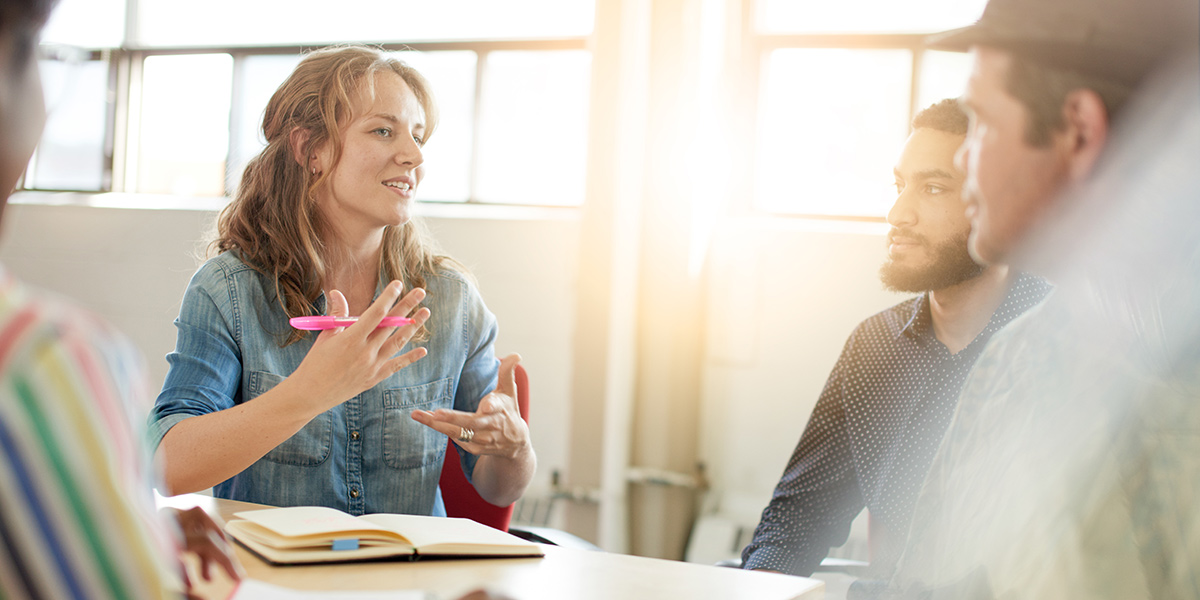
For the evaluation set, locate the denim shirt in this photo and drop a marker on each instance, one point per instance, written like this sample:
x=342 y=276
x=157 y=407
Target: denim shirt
x=363 y=456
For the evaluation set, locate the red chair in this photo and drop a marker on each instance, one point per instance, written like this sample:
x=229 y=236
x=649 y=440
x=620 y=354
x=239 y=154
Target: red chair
x=459 y=495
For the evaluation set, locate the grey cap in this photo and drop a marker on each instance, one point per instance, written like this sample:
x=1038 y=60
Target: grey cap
x=1121 y=40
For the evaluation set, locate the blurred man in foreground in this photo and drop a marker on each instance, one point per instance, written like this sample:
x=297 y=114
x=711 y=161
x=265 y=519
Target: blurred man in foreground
x=1072 y=466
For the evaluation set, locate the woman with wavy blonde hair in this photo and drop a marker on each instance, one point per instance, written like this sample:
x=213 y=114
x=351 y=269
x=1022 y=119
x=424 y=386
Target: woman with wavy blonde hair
x=322 y=224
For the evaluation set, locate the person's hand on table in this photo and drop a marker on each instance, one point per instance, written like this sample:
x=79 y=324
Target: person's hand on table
x=495 y=428
x=203 y=538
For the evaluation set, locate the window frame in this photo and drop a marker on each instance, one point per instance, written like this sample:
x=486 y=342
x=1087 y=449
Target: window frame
x=125 y=80
x=757 y=47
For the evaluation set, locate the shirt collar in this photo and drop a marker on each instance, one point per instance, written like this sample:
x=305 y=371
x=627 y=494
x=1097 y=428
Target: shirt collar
x=920 y=322
x=1025 y=292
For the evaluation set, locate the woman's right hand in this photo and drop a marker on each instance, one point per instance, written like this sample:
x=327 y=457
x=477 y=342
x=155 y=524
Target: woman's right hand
x=345 y=361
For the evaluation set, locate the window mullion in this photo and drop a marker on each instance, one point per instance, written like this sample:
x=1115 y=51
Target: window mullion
x=476 y=120
x=237 y=120
x=914 y=92
x=126 y=124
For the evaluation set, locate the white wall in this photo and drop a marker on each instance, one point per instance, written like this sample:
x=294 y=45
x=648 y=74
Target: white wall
x=783 y=297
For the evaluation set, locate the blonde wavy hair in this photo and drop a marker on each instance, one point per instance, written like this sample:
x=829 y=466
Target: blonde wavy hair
x=274 y=222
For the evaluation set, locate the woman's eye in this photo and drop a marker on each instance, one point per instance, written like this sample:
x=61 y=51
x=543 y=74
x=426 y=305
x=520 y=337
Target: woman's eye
x=899 y=187
x=934 y=189
x=417 y=138
x=384 y=132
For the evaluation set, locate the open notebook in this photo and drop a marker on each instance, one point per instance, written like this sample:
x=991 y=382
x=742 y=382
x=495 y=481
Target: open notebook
x=316 y=534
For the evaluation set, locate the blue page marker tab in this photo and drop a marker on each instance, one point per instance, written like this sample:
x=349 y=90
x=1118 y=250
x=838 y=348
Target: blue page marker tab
x=346 y=544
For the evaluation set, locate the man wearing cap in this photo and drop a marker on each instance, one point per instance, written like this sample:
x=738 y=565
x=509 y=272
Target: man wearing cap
x=1071 y=468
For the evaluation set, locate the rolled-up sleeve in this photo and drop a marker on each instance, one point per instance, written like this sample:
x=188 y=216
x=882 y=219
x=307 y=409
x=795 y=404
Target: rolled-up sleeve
x=205 y=369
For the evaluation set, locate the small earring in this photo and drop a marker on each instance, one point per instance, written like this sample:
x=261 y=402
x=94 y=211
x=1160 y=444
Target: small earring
x=314 y=170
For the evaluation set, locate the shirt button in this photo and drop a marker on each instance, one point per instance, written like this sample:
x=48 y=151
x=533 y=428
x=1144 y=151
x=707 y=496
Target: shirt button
x=353 y=492
x=354 y=435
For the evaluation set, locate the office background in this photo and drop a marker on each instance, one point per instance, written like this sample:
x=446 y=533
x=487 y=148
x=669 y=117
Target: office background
x=674 y=207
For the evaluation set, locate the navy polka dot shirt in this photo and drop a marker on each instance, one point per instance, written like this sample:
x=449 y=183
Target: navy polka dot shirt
x=872 y=436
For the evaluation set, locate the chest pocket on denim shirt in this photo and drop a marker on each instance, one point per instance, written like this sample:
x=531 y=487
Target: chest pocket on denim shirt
x=309 y=446
x=408 y=444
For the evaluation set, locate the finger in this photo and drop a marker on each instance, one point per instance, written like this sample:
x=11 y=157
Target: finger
x=398 y=338
x=228 y=563
x=336 y=306
x=478 y=441
x=497 y=403
x=449 y=422
x=208 y=524
x=375 y=313
x=426 y=418
x=507 y=383
x=404 y=360
x=407 y=303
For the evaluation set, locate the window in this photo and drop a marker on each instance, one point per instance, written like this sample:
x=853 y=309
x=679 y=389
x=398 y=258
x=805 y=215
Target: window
x=838 y=84
x=865 y=16
x=183 y=132
x=170 y=23
x=174 y=106
x=448 y=153
x=87 y=23
x=71 y=154
x=534 y=122
x=833 y=121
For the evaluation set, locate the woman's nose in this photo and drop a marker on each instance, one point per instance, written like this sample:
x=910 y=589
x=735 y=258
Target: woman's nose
x=410 y=154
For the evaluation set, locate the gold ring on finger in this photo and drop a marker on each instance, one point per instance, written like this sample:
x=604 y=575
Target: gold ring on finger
x=465 y=435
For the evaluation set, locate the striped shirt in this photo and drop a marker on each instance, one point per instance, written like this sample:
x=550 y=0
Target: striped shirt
x=77 y=516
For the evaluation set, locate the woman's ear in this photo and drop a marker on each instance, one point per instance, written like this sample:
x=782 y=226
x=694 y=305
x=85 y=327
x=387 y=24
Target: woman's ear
x=1086 y=120
x=298 y=141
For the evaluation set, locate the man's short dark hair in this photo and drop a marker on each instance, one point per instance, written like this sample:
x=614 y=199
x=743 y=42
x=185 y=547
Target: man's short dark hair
x=1042 y=90
x=945 y=116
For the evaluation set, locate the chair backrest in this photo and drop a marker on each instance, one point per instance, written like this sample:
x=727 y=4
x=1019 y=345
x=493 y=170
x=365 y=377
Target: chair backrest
x=459 y=495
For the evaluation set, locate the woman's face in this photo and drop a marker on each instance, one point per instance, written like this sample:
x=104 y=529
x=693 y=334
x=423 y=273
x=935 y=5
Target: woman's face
x=22 y=111
x=375 y=180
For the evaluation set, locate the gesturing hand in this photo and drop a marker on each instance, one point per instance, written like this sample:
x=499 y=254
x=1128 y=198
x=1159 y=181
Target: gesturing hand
x=347 y=360
x=496 y=426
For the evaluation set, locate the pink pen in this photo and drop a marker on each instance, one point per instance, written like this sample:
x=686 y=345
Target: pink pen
x=328 y=322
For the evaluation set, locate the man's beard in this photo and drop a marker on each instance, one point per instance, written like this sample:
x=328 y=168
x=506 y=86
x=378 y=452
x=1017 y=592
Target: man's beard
x=952 y=264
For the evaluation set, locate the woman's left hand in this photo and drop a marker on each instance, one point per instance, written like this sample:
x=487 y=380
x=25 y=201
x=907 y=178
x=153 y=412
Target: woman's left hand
x=495 y=428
